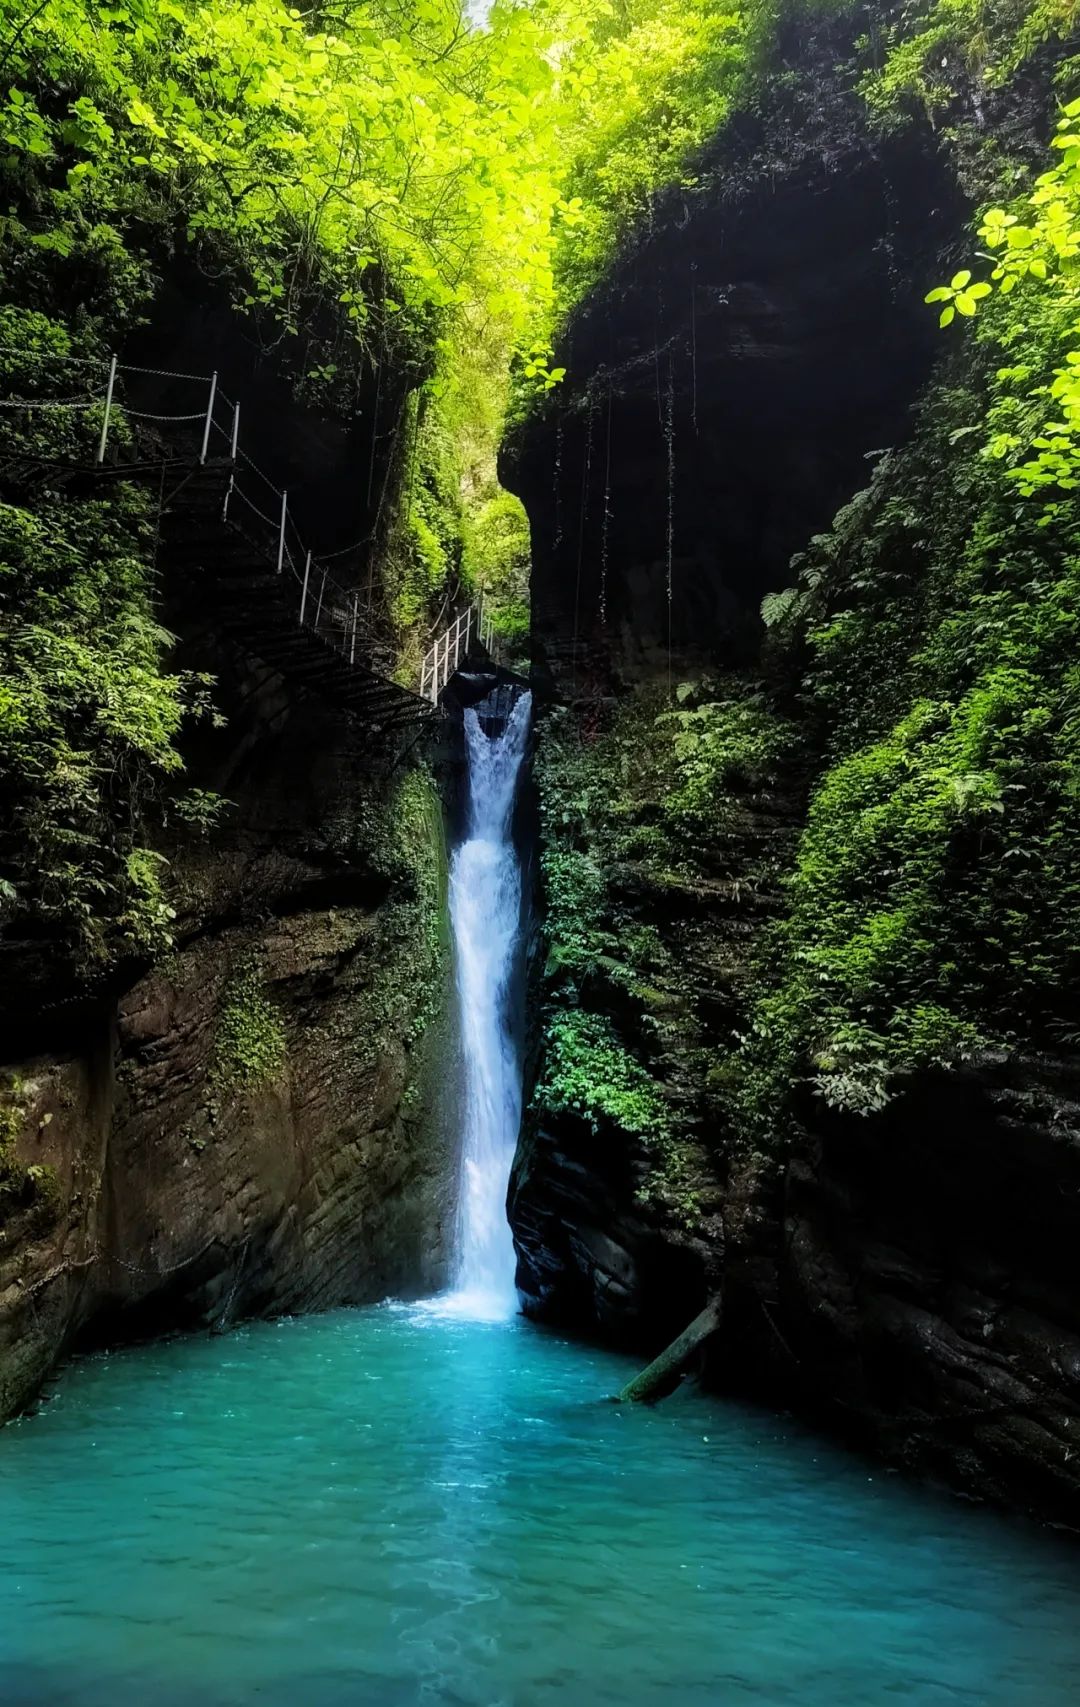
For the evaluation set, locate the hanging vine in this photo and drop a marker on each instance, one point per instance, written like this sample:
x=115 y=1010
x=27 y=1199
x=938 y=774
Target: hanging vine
x=693 y=344
x=556 y=495
x=586 y=474
x=669 y=435
x=606 y=522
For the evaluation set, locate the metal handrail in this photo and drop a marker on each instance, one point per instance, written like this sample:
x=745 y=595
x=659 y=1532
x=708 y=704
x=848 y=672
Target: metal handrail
x=326 y=606
x=445 y=653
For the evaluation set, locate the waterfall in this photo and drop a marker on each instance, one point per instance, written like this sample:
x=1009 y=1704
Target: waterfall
x=485 y=916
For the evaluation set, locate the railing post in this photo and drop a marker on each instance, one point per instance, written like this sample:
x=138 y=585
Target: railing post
x=108 y=410
x=303 y=593
x=281 y=532
x=209 y=417
x=235 y=429
x=228 y=495
x=352 y=648
x=318 y=607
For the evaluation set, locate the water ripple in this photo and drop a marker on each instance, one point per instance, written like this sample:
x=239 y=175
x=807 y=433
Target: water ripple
x=399 y=1506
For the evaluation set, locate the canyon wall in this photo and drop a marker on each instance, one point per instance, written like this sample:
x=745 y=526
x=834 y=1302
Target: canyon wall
x=259 y=1123
x=900 y=1273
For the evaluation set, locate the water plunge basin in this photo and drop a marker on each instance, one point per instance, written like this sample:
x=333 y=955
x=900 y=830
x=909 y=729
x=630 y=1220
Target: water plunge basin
x=400 y=1505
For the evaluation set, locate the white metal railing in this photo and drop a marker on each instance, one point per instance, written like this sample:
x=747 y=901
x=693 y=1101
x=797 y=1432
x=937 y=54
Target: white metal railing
x=449 y=648
x=325 y=605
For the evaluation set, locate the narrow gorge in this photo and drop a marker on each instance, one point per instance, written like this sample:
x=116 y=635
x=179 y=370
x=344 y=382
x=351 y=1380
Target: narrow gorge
x=539 y=797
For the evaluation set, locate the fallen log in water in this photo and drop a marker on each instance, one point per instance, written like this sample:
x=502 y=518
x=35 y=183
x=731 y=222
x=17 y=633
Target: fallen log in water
x=662 y=1375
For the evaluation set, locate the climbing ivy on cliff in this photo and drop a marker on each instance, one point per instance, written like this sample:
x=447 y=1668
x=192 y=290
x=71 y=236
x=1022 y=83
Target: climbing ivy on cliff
x=931 y=912
x=658 y=847
x=935 y=904
x=937 y=53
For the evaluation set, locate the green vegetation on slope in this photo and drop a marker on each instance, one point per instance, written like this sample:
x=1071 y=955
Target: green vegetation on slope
x=377 y=184
x=662 y=842
x=935 y=901
x=88 y=719
x=250 y=1039
x=939 y=52
x=932 y=910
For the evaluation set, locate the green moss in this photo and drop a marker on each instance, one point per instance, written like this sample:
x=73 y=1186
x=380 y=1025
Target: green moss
x=410 y=955
x=249 y=1044
x=11 y=1121
x=588 y=1071
x=656 y=789
x=715 y=746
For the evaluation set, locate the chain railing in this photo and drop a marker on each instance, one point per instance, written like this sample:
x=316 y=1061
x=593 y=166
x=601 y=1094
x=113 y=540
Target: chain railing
x=253 y=505
x=445 y=652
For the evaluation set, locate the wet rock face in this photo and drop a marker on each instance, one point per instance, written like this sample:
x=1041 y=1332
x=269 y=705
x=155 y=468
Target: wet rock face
x=256 y=1125
x=927 y=1281
x=729 y=379
x=589 y=1256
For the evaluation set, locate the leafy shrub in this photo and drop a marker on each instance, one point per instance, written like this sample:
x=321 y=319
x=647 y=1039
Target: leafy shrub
x=587 y=1071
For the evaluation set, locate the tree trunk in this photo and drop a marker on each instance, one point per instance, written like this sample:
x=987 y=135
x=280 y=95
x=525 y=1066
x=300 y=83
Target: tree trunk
x=662 y=1375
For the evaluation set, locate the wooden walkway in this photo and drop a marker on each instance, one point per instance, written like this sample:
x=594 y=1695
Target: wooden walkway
x=225 y=521
x=258 y=607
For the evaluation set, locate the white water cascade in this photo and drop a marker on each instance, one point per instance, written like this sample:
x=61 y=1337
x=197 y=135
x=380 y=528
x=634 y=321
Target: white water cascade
x=485 y=917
